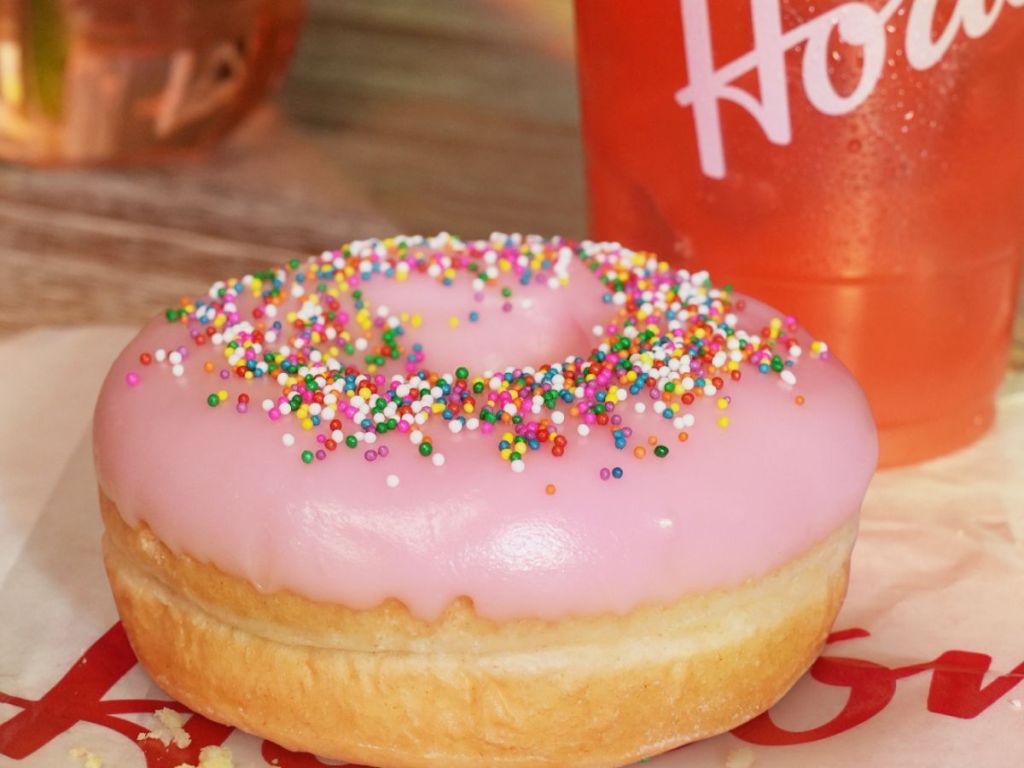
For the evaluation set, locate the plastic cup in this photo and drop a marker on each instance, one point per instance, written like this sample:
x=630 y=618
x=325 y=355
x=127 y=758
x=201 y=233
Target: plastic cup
x=859 y=165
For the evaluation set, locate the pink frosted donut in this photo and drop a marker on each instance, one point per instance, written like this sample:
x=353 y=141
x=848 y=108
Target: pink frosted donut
x=470 y=499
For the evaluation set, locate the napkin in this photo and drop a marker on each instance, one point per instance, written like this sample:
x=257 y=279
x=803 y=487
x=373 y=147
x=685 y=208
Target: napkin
x=924 y=668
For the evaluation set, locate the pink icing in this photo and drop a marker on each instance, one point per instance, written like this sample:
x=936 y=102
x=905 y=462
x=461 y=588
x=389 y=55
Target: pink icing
x=726 y=505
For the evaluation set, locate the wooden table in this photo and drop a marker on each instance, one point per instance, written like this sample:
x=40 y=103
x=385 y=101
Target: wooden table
x=397 y=116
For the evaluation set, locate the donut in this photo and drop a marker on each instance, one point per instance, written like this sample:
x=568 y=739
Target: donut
x=420 y=502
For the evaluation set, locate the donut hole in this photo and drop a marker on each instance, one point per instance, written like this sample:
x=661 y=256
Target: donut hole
x=508 y=325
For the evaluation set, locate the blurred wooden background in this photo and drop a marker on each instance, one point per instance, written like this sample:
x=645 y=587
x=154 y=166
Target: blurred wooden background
x=397 y=116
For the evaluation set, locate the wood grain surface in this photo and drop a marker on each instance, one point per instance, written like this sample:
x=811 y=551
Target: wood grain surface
x=396 y=116
x=401 y=115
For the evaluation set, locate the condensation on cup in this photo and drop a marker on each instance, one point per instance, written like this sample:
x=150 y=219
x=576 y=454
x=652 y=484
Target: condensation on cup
x=858 y=164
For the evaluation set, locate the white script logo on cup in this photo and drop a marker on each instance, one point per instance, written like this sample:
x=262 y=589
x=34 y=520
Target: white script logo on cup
x=856 y=23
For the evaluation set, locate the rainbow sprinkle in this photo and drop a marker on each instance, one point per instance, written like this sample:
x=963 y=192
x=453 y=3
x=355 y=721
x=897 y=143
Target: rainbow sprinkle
x=346 y=374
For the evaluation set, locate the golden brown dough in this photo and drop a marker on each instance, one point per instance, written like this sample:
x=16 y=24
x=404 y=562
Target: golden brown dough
x=382 y=687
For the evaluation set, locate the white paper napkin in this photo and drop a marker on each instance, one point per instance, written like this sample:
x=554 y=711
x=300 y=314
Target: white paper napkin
x=926 y=667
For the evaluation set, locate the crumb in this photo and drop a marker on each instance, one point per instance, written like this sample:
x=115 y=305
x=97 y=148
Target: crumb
x=740 y=757
x=170 y=729
x=212 y=757
x=1017 y=704
x=87 y=758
